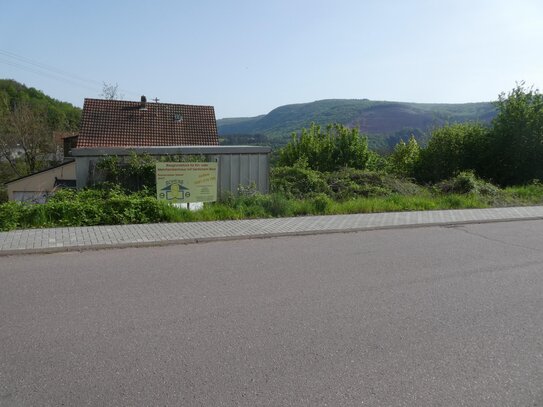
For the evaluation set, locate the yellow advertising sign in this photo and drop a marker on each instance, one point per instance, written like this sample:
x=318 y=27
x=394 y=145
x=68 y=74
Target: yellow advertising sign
x=186 y=182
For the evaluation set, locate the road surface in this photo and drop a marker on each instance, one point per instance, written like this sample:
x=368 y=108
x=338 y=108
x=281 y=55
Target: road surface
x=438 y=316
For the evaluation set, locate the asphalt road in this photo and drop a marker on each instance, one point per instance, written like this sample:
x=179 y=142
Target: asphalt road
x=412 y=317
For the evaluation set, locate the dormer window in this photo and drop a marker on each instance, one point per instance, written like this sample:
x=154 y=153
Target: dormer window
x=177 y=117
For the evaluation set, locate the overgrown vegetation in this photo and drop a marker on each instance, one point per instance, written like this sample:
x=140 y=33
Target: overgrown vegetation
x=136 y=172
x=84 y=208
x=332 y=171
x=343 y=192
x=404 y=159
x=508 y=152
x=327 y=150
x=451 y=150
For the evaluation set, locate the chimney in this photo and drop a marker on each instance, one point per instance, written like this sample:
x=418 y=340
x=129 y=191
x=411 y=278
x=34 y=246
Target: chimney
x=143 y=105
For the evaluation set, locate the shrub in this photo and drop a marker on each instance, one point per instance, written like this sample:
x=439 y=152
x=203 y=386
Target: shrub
x=329 y=150
x=453 y=149
x=467 y=183
x=401 y=186
x=404 y=158
x=136 y=172
x=11 y=214
x=88 y=207
x=350 y=183
x=297 y=181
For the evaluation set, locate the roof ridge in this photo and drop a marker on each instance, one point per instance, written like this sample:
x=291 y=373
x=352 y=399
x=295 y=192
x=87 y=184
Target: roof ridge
x=149 y=103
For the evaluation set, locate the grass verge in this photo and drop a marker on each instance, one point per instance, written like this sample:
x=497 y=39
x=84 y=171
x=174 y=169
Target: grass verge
x=99 y=207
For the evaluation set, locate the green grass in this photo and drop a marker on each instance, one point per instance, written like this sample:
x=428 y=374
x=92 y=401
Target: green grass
x=93 y=207
x=523 y=195
x=398 y=203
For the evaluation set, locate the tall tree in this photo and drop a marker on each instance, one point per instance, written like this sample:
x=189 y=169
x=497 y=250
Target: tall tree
x=452 y=149
x=518 y=137
x=25 y=128
x=404 y=158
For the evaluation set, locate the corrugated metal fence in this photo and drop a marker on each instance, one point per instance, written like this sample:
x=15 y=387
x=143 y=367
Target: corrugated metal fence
x=238 y=165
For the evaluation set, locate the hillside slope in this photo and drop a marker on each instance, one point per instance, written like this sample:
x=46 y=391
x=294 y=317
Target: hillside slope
x=384 y=122
x=60 y=115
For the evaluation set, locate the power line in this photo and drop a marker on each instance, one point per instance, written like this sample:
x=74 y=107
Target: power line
x=46 y=74
x=30 y=65
x=46 y=67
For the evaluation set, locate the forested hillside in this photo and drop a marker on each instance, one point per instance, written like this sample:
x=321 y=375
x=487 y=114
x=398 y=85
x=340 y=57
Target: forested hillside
x=60 y=115
x=384 y=122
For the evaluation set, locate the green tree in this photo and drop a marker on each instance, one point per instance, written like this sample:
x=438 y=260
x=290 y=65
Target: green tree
x=60 y=115
x=517 y=153
x=329 y=150
x=452 y=149
x=28 y=118
x=404 y=158
x=27 y=129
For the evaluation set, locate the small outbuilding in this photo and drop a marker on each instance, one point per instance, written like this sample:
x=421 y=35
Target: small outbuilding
x=38 y=186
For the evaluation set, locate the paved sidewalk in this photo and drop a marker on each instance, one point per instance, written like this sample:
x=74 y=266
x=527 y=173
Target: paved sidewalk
x=97 y=237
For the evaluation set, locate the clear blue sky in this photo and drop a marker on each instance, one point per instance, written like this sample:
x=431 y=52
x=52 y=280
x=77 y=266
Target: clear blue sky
x=248 y=57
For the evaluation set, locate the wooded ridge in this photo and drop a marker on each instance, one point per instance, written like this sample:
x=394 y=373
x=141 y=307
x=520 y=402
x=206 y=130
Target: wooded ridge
x=384 y=122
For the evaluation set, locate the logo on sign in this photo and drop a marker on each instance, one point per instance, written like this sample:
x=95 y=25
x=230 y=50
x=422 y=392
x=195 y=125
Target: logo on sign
x=174 y=190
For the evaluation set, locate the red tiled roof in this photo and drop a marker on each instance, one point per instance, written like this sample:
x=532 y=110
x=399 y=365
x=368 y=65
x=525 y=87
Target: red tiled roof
x=119 y=123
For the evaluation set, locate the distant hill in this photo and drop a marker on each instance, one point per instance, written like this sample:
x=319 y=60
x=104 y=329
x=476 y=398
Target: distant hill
x=385 y=123
x=62 y=116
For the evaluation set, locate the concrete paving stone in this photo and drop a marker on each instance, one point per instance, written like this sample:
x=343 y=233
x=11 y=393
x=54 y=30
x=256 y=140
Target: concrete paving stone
x=89 y=236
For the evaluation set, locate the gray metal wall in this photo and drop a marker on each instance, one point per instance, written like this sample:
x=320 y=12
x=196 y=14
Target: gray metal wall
x=243 y=169
x=238 y=165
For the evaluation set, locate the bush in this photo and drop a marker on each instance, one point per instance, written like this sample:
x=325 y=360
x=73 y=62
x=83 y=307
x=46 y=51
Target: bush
x=467 y=183
x=329 y=150
x=86 y=208
x=404 y=158
x=300 y=182
x=350 y=183
x=453 y=149
x=11 y=214
x=136 y=172
x=297 y=181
